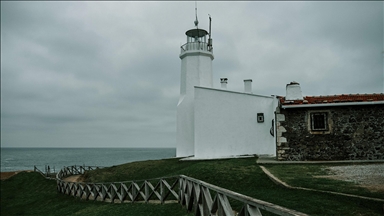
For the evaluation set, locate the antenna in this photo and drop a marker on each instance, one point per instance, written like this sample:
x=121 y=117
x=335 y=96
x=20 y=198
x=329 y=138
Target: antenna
x=196 y=21
x=210 y=39
x=210 y=20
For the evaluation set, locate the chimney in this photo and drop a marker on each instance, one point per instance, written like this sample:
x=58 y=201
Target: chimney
x=293 y=91
x=248 y=86
x=223 y=82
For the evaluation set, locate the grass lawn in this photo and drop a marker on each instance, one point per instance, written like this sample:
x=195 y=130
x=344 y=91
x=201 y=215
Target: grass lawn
x=242 y=176
x=30 y=194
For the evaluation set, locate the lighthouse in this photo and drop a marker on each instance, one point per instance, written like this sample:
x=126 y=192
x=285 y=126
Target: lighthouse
x=196 y=70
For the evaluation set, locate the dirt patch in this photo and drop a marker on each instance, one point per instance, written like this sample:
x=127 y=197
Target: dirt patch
x=368 y=176
x=7 y=175
x=74 y=178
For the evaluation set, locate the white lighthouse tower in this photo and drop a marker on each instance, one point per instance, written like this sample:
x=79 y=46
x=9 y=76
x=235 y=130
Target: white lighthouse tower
x=196 y=70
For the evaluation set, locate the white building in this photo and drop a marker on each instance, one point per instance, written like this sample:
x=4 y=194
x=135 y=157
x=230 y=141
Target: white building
x=217 y=123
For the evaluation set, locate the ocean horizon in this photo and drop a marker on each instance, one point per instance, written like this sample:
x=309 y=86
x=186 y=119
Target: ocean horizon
x=17 y=158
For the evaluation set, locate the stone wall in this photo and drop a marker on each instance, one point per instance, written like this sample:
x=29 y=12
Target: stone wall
x=355 y=133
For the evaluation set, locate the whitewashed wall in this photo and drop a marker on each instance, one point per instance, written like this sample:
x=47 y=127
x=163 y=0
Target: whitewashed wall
x=226 y=123
x=185 y=128
x=196 y=70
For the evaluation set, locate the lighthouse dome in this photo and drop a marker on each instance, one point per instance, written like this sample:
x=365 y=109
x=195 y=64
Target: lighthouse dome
x=196 y=33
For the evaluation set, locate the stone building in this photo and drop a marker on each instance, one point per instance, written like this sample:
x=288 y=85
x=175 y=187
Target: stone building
x=335 y=127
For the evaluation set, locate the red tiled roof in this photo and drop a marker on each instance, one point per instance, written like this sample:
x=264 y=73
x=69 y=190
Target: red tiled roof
x=344 y=98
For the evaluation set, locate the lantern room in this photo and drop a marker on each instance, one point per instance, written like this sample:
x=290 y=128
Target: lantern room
x=196 y=35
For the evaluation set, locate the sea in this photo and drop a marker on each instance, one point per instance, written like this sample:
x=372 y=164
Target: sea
x=17 y=159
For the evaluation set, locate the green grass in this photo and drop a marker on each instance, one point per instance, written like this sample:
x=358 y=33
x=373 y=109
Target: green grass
x=30 y=194
x=242 y=176
x=305 y=176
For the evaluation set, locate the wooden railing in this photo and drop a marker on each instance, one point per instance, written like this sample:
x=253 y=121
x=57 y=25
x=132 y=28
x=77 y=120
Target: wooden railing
x=197 y=196
x=47 y=174
x=74 y=170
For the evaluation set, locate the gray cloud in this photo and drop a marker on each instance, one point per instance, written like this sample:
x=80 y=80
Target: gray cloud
x=83 y=74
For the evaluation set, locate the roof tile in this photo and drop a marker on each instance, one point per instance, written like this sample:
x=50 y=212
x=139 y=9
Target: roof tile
x=343 y=98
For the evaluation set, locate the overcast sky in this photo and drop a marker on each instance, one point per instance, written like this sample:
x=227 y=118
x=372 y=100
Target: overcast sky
x=107 y=74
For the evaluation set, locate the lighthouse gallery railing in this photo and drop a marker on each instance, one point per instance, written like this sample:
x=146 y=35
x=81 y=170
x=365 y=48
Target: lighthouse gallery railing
x=196 y=46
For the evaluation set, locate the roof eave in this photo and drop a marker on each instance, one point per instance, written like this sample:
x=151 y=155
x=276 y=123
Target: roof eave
x=332 y=104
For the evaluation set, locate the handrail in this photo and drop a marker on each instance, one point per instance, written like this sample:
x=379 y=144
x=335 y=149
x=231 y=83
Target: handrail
x=35 y=169
x=47 y=174
x=196 y=46
x=131 y=191
x=198 y=194
x=194 y=194
x=74 y=170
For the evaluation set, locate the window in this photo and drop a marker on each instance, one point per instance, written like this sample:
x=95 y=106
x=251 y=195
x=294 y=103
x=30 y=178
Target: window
x=319 y=121
x=260 y=117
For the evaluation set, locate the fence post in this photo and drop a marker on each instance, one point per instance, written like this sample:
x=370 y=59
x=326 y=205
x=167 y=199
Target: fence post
x=162 y=192
x=146 y=191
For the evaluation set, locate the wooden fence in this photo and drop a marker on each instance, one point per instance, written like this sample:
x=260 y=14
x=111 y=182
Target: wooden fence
x=197 y=196
x=74 y=170
x=47 y=174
